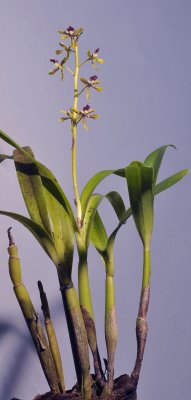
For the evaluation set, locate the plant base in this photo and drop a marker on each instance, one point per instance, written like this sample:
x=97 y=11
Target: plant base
x=124 y=389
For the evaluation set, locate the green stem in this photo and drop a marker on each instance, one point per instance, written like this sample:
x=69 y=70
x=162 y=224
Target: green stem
x=74 y=131
x=146 y=267
x=72 y=337
x=111 y=331
x=87 y=309
x=77 y=331
x=83 y=285
x=80 y=338
x=141 y=325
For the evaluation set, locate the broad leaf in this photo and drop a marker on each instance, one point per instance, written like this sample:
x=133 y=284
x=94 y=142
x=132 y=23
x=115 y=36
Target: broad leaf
x=44 y=208
x=140 y=187
x=91 y=209
x=98 y=236
x=90 y=186
x=170 y=181
x=155 y=158
x=32 y=189
x=49 y=179
x=160 y=187
x=38 y=232
x=117 y=203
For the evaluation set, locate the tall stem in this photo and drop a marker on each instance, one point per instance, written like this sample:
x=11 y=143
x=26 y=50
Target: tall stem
x=146 y=268
x=141 y=325
x=80 y=338
x=111 y=331
x=87 y=309
x=74 y=131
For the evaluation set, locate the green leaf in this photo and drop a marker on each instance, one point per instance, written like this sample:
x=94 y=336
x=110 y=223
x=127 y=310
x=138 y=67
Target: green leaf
x=155 y=158
x=4 y=157
x=140 y=186
x=32 y=189
x=98 y=235
x=90 y=186
x=117 y=203
x=170 y=181
x=49 y=179
x=160 y=187
x=43 y=207
x=91 y=209
x=38 y=232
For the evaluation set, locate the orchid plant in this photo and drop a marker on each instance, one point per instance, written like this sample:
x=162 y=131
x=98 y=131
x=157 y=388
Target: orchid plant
x=56 y=226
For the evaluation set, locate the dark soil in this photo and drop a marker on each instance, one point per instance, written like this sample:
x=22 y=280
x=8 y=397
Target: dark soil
x=124 y=389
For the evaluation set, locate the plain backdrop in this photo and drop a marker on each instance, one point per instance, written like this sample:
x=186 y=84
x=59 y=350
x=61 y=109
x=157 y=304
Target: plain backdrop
x=145 y=104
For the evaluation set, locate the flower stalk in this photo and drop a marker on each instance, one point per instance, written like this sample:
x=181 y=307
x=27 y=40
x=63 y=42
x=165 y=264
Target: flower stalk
x=74 y=129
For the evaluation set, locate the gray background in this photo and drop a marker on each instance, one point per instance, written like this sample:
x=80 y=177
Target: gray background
x=145 y=104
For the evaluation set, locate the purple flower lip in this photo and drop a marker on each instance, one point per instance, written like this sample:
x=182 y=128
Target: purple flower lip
x=70 y=30
x=53 y=60
x=92 y=79
x=86 y=109
x=95 y=53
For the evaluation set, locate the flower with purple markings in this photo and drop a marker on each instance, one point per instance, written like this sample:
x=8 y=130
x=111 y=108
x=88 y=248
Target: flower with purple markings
x=72 y=33
x=92 y=82
x=58 y=67
x=94 y=57
x=85 y=112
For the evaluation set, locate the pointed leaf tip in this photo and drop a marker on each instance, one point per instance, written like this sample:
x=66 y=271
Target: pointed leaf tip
x=140 y=186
